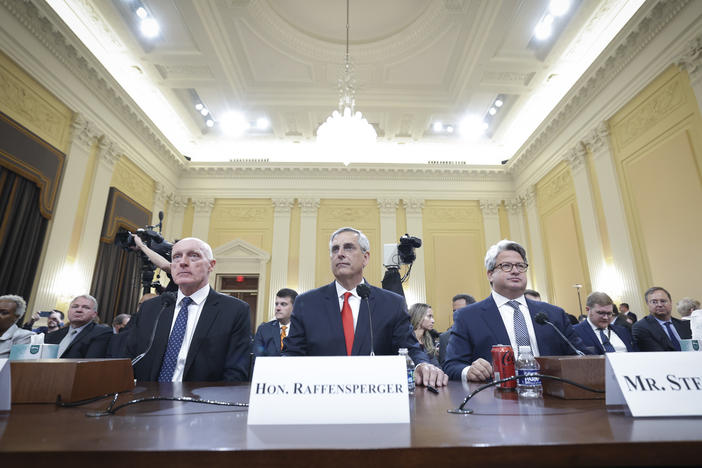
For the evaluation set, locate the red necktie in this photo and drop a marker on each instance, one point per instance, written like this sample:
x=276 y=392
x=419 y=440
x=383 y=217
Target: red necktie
x=347 y=321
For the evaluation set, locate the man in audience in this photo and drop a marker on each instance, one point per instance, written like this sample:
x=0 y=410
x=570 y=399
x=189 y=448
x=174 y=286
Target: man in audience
x=11 y=309
x=630 y=316
x=659 y=331
x=270 y=335
x=200 y=335
x=532 y=294
x=54 y=321
x=597 y=333
x=459 y=301
x=83 y=338
x=331 y=320
x=685 y=307
x=120 y=322
x=505 y=317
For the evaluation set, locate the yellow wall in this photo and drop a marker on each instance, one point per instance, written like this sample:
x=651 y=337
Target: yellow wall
x=188 y=218
x=657 y=145
x=134 y=182
x=294 y=249
x=562 y=239
x=454 y=252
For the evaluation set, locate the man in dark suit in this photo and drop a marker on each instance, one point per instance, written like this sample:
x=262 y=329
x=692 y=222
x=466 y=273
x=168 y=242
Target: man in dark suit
x=459 y=301
x=270 y=335
x=204 y=336
x=599 y=335
x=331 y=321
x=659 y=331
x=505 y=317
x=83 y=338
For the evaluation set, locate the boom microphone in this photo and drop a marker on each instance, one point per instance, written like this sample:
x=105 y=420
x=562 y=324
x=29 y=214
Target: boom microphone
x=167 y=300
x=542 y=319
x=364 y=291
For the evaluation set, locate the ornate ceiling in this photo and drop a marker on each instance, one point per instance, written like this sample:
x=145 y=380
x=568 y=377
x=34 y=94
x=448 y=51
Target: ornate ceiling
x=416 y=62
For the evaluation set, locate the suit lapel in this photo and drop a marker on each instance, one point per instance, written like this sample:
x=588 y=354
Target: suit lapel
x=81 y=336
x=491 y=315
x=275 y=330
x=158 y=348
x=595 y=340
x=209 y=313
x=659 y=333
x=683 y=328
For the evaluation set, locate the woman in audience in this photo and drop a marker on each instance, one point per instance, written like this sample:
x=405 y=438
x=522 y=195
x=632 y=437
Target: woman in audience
x=422 y=318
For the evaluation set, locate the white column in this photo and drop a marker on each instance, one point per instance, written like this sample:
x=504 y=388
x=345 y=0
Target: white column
x=84 y=136
x=176 y=216
x=108 y=155
x=515 y=214
x=281 y=243
x=308 y=243
x=388 y=224
x=201 y=217
x=536 y=256
x=623 y=274
x=594 y=251
x=416 y=289
x=691 y=61
x=491 y=221
x=160 y=196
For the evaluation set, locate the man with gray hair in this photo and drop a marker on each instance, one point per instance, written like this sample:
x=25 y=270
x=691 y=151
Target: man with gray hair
x=685 y=307
x=84 y=338
x=505 y=317
x=11 y=309
x=334 y=320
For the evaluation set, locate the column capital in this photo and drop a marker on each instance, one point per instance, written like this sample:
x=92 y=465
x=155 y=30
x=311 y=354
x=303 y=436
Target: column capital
x=529 y=196
x=598 y=139
x=308 y=206
x=575 y=157
x=413 y=205
x=176 y=202
x=388 y=205
x=283 y=205
x=514 y=205
x=108 y=152
x=160 y=194
x=691 y=58
x=85 y=133
x=203 y=205
x=489 y=207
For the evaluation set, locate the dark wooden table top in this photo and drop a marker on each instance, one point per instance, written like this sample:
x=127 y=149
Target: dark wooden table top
x=503 y=431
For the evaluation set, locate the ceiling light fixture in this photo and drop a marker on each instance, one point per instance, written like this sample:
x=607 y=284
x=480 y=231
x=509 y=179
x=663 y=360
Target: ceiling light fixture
x=559 y=7
x=346 y=130
x=149 y=27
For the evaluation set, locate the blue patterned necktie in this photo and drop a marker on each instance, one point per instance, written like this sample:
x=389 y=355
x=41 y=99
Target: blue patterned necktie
x=175 y=341
x=671 y=335
x=521 y=333
x=605 y=342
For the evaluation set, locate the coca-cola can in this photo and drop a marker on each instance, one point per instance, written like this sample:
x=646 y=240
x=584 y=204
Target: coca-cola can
x=503 y=365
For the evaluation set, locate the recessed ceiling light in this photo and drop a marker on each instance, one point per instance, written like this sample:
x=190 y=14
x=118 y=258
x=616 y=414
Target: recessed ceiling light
x=209 y=123
x=141 y=12
x=449 y=129
x=437 y=127
x=233 y=123
x=559 y=7
x=492 y=111
x=472 y=126
x=149 y=27
x=498 y=102
x=199 y=106
x=543 y=29
x=262 y=123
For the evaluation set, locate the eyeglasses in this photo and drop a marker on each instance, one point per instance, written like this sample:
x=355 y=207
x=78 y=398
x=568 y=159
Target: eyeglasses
x=604 y=314
x=507 y=267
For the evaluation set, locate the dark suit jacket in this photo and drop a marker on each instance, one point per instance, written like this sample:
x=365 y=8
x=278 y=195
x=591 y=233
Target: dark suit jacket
x=443 y=344
x=91 y=342
x=316 y=328
x=219 y=349
x=650 y=336
x=585 y=332
x=479 y=326
x=267 y=339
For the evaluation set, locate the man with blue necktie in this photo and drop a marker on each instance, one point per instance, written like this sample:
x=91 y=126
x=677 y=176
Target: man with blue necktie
x=597 y=332
x=659 y=331
x=201 y=336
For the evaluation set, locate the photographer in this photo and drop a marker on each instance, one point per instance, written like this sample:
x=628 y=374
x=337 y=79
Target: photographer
x=54 y=321
x=160 y=262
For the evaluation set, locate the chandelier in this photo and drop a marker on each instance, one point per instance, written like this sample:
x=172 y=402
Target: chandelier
x=346 y=131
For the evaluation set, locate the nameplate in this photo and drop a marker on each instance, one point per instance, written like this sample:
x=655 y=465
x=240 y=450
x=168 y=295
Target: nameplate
x=655 y=384
x=329 y=390
x=25 y=352
x=5 y=389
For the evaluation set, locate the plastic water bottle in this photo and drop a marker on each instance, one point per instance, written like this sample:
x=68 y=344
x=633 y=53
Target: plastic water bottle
x=410 y=370
x=526 y=366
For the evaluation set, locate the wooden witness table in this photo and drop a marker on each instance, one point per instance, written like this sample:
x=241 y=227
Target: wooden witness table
x=502 y=432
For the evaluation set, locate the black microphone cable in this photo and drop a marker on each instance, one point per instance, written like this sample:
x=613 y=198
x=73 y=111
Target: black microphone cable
x=167 y=300
x=364 y=291
x=542 y=318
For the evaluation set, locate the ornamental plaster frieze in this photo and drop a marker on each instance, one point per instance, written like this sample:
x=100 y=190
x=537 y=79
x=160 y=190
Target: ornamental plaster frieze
x=608 y=65
x=691 y=59
x=41 y=21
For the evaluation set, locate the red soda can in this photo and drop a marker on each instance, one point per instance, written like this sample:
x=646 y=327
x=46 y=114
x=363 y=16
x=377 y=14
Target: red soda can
x=503 y=365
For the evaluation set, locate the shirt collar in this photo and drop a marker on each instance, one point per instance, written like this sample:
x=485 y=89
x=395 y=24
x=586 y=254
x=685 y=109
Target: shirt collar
x=197 y=297
x=340 y=290
x=594 y=327
x=501 y=300
x=9 y=332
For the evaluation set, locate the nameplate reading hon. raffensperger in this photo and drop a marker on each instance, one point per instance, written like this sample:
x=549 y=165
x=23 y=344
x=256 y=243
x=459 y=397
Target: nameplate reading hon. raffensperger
x=655 y=384
x=329 y=390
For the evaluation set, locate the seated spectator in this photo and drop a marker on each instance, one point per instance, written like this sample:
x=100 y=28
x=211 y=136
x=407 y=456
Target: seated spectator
x=685 y=307
x=83 y=338
x=11 y=309
x=53 y=322
x=422 y=319
x=120 y=322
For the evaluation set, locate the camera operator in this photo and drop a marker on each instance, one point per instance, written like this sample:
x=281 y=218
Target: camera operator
x=160 y=262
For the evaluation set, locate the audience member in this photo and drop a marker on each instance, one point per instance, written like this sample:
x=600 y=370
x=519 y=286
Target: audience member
x=459 y=301
x=624 y=310
x=54 y=321
x=208 y=339
x=659 y=331
x=685 y=307
x=12 y=308
x=597 y=333
x=532 y=294
x=422 y=320
x=270 y=335
x=83 y=338
x=504 y=317
x=120 y=322
x=329 y=321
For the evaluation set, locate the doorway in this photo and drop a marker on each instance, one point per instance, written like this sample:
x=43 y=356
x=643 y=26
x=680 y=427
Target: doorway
x=244 y=287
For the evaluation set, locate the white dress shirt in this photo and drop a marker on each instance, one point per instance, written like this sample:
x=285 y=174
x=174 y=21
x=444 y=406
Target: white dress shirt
x=354 y=301
x=615 y=341
x=194 y=310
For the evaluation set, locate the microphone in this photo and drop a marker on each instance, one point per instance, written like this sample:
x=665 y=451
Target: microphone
x=364 y=291
x=167 y=300
x=542 y=318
